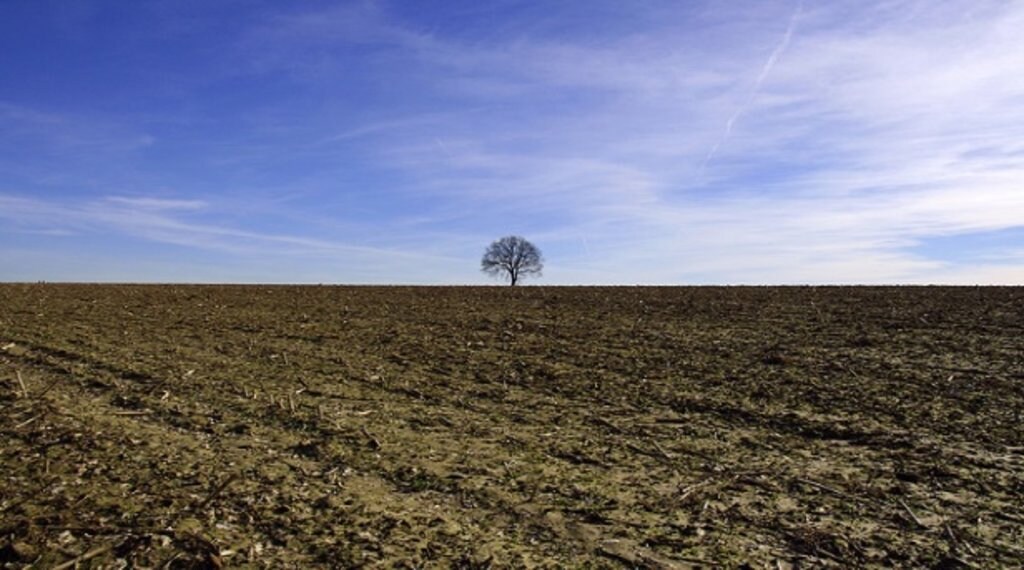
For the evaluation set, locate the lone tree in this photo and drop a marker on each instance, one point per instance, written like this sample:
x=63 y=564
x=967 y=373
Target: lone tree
x=512 y=258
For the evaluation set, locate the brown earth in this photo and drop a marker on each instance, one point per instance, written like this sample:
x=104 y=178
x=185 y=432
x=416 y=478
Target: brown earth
x=273 y=427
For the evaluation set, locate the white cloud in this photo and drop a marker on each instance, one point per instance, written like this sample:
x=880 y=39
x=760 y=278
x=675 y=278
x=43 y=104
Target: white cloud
x=159 y=220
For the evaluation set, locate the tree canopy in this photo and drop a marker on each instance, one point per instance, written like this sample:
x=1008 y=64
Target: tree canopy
x=512 y=258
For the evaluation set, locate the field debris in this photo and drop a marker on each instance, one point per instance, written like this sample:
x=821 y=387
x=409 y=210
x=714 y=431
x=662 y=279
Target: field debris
x=490 y=427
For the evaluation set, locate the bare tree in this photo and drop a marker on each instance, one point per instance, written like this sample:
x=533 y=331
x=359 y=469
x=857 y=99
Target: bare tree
x=512 y=258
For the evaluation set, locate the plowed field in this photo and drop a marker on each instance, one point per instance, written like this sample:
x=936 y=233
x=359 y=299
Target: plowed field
x=275 y=427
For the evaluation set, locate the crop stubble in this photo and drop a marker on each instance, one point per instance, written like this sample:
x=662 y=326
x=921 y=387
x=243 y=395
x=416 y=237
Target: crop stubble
x=208 y=426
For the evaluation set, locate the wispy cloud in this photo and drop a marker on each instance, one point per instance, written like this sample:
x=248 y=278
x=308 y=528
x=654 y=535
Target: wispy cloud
x=156 y=204
x=160 y=220
x=25 y=125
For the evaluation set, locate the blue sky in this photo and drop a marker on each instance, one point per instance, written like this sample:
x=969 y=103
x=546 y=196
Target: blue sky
x=633 y=142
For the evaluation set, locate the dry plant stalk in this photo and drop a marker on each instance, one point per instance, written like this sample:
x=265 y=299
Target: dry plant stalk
x=913 y=515
x=661 y=450
x=374 y=442
x=74 y=562
x=21 y=382
x=689 y=490
x=832 y=490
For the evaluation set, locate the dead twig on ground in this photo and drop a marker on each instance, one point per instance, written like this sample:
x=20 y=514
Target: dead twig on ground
x=217 y=491
x=1008 y=517
x=74 y=562
x=171 y=560
x=638 y=557
x=46 y=390
x=661 y=450
x=829 y=489
x=659 y=453
x=374 y=442
x=196 y=506
x=26 y=422
x=606 y=423
x=1004 y=549
x=21 y=382
x=912 y=514
x=956 y=542
x=112 y=530
x=686 y=492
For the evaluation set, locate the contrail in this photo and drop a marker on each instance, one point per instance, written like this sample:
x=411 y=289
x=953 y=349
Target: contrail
x=765 y=70
x=779 y=49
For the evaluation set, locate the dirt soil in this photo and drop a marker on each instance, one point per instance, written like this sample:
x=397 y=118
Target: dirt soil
x=488 y=427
